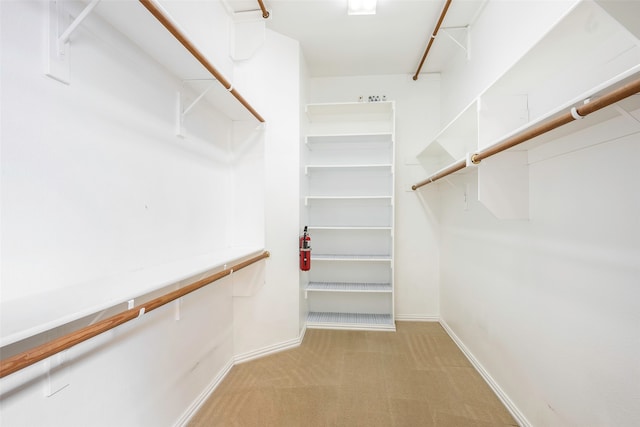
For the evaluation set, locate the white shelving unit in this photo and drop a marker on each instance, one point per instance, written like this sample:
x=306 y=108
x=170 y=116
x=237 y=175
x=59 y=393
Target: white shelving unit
x=586 y=51
x=349 y=176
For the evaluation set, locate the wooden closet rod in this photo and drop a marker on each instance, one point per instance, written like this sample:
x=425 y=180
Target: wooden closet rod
x=432 y=38
x=29 y=357
x=265 y=12
x=166 y=22
x=575 y=113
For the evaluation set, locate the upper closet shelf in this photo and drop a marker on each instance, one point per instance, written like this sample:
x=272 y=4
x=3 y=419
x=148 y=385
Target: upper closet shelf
x=585 y=51
x=351 y=139
x=25 y=317
x=133 y=20
x=347 y=228
x=369 y=167
x=358 y=258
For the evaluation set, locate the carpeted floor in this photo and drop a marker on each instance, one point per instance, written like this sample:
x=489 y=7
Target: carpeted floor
x=414 y=377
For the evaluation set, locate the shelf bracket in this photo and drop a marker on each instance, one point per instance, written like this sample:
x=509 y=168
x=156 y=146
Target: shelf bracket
x=181 y=111
x=57 y=66
x=467 y=40
x=625 y=113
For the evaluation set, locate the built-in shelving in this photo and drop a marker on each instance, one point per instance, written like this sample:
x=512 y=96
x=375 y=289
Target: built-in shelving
x=350 y=111
x=320 y=227
x=368 y=139
x=348 y=287
x=331 y=320
x=349 y=200
x=360 y=258
x=308 y=199
x=321 y=168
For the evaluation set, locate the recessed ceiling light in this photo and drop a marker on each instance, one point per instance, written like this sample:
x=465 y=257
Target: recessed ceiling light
x=361 y=7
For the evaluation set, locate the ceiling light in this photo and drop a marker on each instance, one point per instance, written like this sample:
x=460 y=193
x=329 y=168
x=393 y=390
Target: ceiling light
x=361 y=7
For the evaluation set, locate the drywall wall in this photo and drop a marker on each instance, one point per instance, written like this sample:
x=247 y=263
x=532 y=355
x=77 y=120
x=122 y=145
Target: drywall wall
x=272 y=77
x=548 y=306
x=95 y=186
x=417 y=118
x=304 y=184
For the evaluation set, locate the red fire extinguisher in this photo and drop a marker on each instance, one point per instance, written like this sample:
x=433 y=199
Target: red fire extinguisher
x=305 y=251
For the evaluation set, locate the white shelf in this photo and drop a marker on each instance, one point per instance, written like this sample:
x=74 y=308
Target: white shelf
x=349 y=287
x=459 y=136
x=25 y=317
x=359 y=258
x=349 y=190
x=363 y=167
x=350 y=321
x=346 y=228
x=133 y=20
x=350 y=139
x=308 y=199
x=349 y=111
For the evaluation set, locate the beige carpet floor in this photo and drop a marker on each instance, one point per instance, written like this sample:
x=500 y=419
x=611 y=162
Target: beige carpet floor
x=413 y=377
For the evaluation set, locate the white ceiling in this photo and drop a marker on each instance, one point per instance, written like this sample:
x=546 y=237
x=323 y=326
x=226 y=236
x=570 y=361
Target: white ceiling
x=390 y=42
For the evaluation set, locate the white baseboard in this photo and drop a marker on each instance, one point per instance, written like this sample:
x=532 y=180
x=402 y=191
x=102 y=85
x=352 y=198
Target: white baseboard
x=511 y=407
x=200 y=400
x=245 y=357
x=416 y=318
x=265 y=351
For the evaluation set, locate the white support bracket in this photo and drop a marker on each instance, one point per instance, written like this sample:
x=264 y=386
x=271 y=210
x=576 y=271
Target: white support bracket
x=625 y=113
x=178 y=305
x=182 y=111
x=59 y=33
x=56 y=376
x=467 y=38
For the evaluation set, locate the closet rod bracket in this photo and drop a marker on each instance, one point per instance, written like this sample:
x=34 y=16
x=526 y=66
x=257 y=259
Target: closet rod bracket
x=59 y=32
x=66 y=34
x=182 y=111
x=467 y=40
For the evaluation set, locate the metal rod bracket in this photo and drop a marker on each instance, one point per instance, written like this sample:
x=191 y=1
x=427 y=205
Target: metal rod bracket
x=181 y=111
x=467 y=40
x=64 y=37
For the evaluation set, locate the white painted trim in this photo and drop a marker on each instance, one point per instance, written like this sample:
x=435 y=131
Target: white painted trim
x=200 y=400
x=265 y=351
x=511 y=407
x=303 y=332
x=416 y=318
x=241 y=358
x=351 y=326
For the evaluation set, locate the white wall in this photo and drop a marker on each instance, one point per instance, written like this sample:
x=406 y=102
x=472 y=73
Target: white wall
x=272 y=77
x=417 y=118
x=549 y=306
x=304 y=185
x=96 y=188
